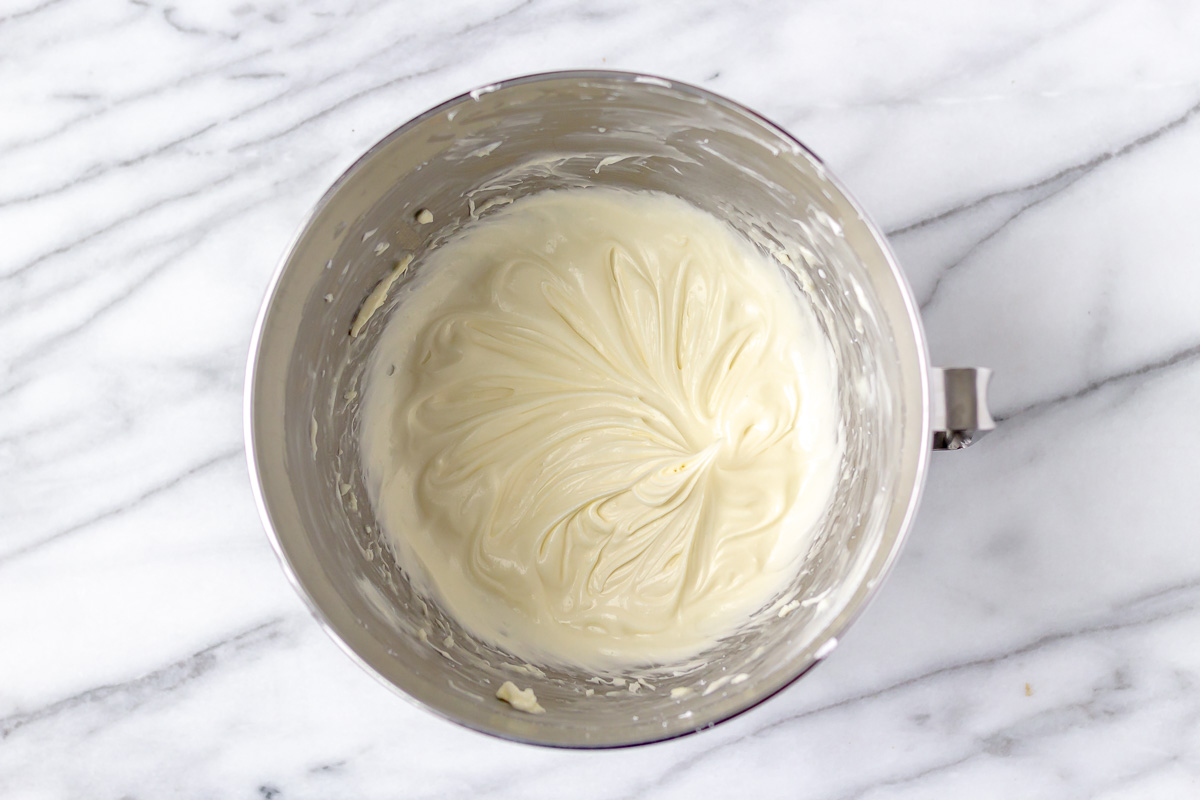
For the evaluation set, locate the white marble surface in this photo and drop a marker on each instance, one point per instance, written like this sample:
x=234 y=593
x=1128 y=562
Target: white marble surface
x=1037 y=164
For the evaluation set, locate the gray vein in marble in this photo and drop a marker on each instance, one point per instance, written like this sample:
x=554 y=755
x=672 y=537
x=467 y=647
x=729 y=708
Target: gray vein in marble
x=1184 y=588
x=204 y=225
x=100 y=170
x=197 y=191
x=258 y=76
x=83 y=97
x=170 y=16
x=1001 y=742
x=508 y=12
x=38 y=349
x=370 y=90
x=129 y=695
x=43 y=137
x=908 y=778
x=1052 y=186
x=97 y=171
x=220 y=458
x=1122 y=618
x=979 y=64
x=13 y=387
x=24 y=434
x=1183 y=357
x=53 y=36
x=28 y=12
x=1014 y=51
x=348 y=100
x=1100 y=325
x=210 y=70
x=193 y=235
x=1144 y=772
x=625 y=50
x=289 y=92
x=292 y=92
x=204 y=72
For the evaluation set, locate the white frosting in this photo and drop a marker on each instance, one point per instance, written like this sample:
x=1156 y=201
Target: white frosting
x=610 y=429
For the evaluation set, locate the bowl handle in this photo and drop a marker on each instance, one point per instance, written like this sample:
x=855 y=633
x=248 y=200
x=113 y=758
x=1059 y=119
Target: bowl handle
x=959 y=406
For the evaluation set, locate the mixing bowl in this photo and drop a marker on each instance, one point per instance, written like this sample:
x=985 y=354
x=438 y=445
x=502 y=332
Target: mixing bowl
x=464 y=160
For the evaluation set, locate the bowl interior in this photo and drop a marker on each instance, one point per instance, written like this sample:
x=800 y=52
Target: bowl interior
x=462 y=161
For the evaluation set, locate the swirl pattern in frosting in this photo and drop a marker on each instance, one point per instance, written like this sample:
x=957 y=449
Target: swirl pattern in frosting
x=602 y=427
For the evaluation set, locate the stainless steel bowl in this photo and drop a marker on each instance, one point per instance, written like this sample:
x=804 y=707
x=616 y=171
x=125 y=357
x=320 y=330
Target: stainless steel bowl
x=515 y=138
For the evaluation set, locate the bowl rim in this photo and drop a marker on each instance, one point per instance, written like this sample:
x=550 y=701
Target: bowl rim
x=832 y=634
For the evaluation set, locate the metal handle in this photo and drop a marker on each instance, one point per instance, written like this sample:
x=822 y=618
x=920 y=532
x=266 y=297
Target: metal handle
x=958 y=406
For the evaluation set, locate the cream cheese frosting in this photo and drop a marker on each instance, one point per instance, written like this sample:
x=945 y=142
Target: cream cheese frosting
x=601 y=428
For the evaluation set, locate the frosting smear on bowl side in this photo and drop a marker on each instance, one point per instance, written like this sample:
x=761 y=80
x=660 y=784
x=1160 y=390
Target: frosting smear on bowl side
x=601 y=428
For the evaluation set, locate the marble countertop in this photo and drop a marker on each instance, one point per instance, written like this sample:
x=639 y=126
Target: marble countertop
x=1036 y=165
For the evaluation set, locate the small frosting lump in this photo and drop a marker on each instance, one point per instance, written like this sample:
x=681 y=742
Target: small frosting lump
x=520 y=699
x=601 y=428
